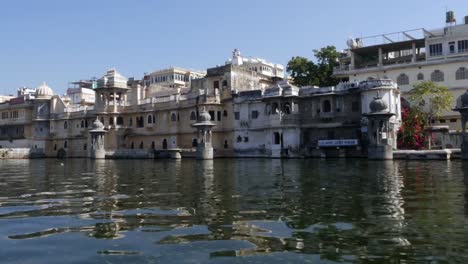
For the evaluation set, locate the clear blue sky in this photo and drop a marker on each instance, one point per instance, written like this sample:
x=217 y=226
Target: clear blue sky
x=59 y=41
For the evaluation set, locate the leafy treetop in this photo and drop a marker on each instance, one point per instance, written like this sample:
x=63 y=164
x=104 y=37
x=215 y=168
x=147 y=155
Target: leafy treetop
x=306 y=72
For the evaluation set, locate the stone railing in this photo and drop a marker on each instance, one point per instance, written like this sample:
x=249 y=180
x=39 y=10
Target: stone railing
x=78 y=108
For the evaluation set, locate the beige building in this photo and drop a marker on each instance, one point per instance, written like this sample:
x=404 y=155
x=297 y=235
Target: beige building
x=172 y=77
x=253 y=110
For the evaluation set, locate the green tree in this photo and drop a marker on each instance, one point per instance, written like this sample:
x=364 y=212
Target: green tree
x=307 y=72
x=431 y=99
x=300 y=69
x=327 y=59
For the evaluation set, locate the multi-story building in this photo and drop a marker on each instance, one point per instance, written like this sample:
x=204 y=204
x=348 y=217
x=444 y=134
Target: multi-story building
x=81 y=92
x=253 y=110
x=409 y=57
x=284 y=120
x=172 y=77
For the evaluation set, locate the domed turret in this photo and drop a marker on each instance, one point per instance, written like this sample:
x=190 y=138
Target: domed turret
x=204 y=128
x=97 y=134
x=44 y=92
x=378 y=105
x=379 y=130
x=97 y=125
x=464 y=99
x=205 y=116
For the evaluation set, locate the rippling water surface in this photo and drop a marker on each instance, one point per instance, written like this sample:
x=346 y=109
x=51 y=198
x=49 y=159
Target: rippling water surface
x=233 y=211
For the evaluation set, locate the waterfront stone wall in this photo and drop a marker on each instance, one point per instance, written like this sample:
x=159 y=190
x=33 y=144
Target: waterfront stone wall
x=15 y=153
x=130 y=154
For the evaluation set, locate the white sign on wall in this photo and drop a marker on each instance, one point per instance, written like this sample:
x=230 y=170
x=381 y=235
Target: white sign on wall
x=338 y=143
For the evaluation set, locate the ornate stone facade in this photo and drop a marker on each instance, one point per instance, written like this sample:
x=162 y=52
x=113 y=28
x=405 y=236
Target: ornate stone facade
x=252 y=112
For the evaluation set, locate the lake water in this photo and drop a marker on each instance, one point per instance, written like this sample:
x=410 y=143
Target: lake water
x=233 y=211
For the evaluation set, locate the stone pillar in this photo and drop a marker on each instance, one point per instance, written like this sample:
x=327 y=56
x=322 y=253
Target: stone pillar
x=115 y=102
x=380 y=57
x=353 y=61
x=137 y=96
x=380 y=147
x=97 y=137
x=204 y=146
x=464 y=144
x=463 y=109
x=413 y=46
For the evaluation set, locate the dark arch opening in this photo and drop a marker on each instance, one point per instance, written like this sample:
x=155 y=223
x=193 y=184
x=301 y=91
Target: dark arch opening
x=120 y=121
x=326 y=106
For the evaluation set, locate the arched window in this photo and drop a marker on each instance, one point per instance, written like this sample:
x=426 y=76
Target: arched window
x=82 y=123
x=132 y=145
x=224 y=84
x=226 y=145
x=276 y=138
x=150 y=119
x=153 y=145
x=326 y=106
x=403 y=79
x=239 y=139
x=140 y=121
x=194 y=142
x=111 y=120
x=164 y=144
x=225 y=113
x=193 y=116
x=267 y=109
x=461 y=74
x=274 y=109
x=85 y=146
x=65 y=144
x=287 y=108
x=420 y=76
x=173 y=117
x=141 y=145
x=437 y=76
x=65 y=125
x=86 y=123
x=154 y=119
x=120 y=121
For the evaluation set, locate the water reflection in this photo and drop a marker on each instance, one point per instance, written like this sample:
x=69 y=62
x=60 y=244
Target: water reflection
x=257 y=210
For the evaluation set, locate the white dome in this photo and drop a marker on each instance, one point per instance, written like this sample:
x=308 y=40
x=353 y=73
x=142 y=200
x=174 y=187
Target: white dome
x=44 y=91
x=204 y=116
x=97 y=124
